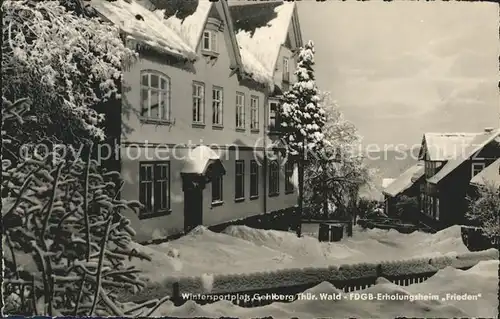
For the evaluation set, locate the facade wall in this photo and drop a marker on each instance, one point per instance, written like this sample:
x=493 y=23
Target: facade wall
x=163 y=226
x=168 y=141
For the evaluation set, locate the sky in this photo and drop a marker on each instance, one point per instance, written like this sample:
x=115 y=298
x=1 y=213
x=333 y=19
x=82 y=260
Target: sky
x=399 y=69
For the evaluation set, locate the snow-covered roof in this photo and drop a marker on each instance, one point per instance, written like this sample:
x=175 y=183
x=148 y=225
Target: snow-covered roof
x=476 y=144
x=387 y=181
x=404 y=181
x=198 y=159
x=262 y=28
x=255 y=69
x=444 y=146
x=490 y=174
x=143 y=25
x=173 y=34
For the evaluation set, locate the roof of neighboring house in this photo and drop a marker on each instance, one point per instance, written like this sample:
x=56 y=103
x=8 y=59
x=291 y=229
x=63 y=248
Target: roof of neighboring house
x=387 y=181
x=474 y=146
x=178 y=34
x=444 y=146
x=262 y=28
x=404 y=181
x=490 y=174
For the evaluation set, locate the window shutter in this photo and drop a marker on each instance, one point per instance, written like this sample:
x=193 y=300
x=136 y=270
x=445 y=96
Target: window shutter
x=213 y=41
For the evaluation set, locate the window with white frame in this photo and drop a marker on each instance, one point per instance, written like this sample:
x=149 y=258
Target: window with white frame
x=274 y=179
x=217 y=189
x=154 y=188
x=254 y=179
x=477 y=168
x=155 y=96
x=240 y=110
x=198 y=102
x=437 y=209
x=286 y=69
x=254 y=113
x=209 y=42
x=239 y=185
x=273 y=114
x=217 y=105
x=289 y=187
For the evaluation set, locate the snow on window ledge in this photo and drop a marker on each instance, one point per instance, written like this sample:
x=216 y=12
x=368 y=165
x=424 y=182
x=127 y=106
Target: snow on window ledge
x=147 y=215
x=217 y=203
x=147 y=120
x=211 y=54
x=198 y=125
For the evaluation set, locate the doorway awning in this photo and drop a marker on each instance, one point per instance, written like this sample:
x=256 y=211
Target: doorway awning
x=199 y=160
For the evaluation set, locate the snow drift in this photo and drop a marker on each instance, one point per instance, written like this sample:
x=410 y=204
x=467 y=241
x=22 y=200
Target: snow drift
x=481 y=280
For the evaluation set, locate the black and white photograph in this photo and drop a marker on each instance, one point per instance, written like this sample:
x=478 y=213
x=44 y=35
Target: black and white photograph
x=250 y=158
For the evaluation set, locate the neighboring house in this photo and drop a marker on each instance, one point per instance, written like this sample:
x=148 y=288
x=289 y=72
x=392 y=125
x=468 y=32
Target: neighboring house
x=195 y=116
x=406 y=184
x=451 y=161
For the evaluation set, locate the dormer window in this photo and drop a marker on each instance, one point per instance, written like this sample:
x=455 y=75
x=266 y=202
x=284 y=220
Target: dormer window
x=210 y=41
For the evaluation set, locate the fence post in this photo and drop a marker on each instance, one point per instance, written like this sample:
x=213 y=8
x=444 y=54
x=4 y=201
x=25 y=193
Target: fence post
x=176 y=294
x=379 y=270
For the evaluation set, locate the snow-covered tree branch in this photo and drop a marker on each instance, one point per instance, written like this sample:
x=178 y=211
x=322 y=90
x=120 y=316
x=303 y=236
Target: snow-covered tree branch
x=337 y=171
x=485 y=210
x=64 y=62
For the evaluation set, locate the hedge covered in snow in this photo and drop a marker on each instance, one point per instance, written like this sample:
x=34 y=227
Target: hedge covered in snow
x=302 y=276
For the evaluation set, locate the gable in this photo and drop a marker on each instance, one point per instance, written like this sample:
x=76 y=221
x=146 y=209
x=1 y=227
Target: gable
x=475 y=145
x=489 y=151
x=262 y=28
x=217 y=20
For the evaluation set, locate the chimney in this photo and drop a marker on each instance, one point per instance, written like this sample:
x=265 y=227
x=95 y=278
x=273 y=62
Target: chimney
x=488 y=129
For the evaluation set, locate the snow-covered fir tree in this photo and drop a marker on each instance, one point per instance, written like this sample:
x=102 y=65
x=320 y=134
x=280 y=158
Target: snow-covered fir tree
x=301 y=116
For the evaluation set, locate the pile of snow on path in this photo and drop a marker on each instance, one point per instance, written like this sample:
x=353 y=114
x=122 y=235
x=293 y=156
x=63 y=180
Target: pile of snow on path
x=241 y=249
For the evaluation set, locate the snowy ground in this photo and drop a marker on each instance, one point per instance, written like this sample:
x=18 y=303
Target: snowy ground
x=240 y=249
x=479 y=282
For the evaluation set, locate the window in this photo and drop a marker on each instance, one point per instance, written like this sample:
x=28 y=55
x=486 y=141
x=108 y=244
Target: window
x=155 y=96
x=254 y=179
x=217 y=189
x=289 y=187
x=239 y=186
x=240 y=110
x=217 y=105
x=198 y=103
x=154 y=188
x=210 y=40
x=254 y=113
x=477 y=168
x=273 y=115
x=274 y=186
x=437 y=209
x=422 y=201
x=286 y=69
